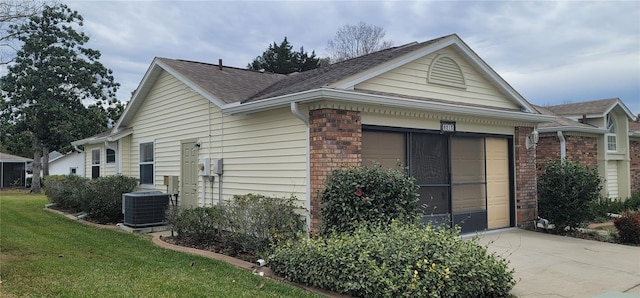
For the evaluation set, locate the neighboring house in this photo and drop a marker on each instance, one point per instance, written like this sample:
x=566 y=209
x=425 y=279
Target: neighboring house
x=13 y=170
x=463 y=132
x=69 y=164
x=598 y=133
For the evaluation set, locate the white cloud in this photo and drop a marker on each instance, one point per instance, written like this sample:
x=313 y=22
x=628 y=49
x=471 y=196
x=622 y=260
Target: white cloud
x=545 y=49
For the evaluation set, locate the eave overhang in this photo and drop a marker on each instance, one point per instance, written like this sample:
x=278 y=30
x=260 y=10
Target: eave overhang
x=382 y=100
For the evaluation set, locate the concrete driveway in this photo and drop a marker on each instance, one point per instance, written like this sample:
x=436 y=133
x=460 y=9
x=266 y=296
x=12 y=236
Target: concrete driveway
x=556 y=266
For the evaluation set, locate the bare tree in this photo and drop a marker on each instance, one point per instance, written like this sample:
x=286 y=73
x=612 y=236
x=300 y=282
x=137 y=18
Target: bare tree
x=13 y=12
x=352 y=41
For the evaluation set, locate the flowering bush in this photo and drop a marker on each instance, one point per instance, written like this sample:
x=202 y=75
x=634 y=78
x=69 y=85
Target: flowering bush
x=397 y=260
x=368 y=194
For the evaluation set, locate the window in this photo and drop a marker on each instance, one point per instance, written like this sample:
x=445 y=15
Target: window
x=95 y=163
x=146 y=163
x=111 y=156
x=611 y=135
x=73 y=171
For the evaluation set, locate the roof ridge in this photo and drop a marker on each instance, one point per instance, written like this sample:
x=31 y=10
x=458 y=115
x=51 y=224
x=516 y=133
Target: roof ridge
x=225 y=66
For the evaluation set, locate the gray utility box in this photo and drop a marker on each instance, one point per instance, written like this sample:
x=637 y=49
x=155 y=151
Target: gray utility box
x=145 y=208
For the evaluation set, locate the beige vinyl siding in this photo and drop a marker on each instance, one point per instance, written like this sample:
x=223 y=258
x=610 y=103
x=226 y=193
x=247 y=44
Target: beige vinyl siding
x=411 y=79
x=125 y=155
x=612 y=179
x=263 y=153
x=171 y=112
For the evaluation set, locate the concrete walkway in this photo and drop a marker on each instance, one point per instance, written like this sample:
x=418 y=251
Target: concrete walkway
x=556 y=266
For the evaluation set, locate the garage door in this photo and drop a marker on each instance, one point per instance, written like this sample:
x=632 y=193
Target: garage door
x=497 y=183
x=612 y=179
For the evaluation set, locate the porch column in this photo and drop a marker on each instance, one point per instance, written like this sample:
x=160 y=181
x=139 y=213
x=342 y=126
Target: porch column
x=335 y=141
x=526 y=180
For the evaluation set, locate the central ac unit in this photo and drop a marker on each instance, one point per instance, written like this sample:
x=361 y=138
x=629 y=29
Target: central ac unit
x=145 y=208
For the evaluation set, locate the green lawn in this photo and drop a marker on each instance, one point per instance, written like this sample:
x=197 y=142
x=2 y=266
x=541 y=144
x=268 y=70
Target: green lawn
x=46 y=254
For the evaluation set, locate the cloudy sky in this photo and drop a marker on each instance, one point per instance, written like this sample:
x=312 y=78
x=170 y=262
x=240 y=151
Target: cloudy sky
x=551 y=52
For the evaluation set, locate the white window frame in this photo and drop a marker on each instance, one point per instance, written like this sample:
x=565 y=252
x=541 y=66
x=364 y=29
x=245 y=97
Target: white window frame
x=152 y=163
x=611 y=138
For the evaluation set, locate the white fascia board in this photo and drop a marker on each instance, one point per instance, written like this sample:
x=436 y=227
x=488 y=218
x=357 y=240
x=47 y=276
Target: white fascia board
x=389 y=101
x=109 y=138
x=573 y=129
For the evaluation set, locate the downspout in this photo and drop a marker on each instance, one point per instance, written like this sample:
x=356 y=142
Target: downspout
x=305 y=119
x=75 y=146
x=563 y=146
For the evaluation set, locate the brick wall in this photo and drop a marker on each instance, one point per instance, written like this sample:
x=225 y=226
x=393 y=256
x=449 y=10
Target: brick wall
x=335 y=141
x=580 y=149
x=634 y=152
x=526 y=187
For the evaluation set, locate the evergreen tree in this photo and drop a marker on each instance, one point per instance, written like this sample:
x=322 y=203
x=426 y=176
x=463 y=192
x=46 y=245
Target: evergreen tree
x=51 y=79
x=284 y=60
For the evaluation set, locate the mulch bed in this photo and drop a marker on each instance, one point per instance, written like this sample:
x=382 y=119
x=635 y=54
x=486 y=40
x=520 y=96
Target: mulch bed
x=213 y=247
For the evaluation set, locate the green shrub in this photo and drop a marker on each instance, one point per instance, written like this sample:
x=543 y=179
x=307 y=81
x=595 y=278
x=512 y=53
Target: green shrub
x=68 y=192
x=248 y=223
x=632 y=203
x=566 y=192
x=196 y=225
x=104 y=199
x=603 y=206
x=394 y=261
x=628 y=227
x=367 y=194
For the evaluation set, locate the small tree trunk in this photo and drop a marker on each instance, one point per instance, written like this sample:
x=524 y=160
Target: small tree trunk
x=45 y=162
x=37 y=156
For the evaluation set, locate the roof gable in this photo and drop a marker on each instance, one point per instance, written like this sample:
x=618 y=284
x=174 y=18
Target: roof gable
x=443 y=75
x=424 y=49
x=217 y=83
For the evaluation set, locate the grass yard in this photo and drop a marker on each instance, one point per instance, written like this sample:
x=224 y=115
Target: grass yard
x=45 y=254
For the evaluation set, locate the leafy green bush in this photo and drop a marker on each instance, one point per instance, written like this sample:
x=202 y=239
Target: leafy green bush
x=68 y=192
x=248 y=223
x=628 y=227
x=566 y=191
x=394 y=261
x=632 y=203
x=367 y=194
x=618 y=206
x=200 y=225
x=104 y=199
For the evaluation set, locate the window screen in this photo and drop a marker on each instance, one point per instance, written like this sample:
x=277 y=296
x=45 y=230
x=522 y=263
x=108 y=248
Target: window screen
x=385 y=148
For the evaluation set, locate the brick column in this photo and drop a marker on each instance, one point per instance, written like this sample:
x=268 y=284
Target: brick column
x=634 y=166
x=526 y=180
x=335 y=141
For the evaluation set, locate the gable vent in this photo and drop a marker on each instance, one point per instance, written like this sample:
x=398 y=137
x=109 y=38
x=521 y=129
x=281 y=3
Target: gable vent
x=445 y=71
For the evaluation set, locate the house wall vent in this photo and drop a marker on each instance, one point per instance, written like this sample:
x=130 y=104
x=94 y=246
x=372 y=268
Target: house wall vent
x=445 y=71
x=145 y=208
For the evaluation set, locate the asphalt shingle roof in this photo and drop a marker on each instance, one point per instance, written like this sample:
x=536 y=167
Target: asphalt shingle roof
x=228 y=84
x=324 y=76
x=583 y=108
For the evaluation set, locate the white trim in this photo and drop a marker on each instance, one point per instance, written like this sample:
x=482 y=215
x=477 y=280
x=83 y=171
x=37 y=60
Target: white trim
x=391 y=101
x=593 y=130
x=153 y=163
